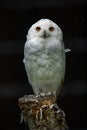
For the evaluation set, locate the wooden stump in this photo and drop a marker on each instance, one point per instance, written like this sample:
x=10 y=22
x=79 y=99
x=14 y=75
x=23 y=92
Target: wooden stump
x=42 y=113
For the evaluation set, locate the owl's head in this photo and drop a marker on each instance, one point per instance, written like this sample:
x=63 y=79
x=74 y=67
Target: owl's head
x=44 y=29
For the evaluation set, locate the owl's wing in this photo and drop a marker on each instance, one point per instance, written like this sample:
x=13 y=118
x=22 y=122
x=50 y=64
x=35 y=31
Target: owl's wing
x=24 y=60
x=25 y=51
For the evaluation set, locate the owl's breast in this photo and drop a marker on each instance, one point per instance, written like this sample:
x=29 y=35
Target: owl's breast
x=46 y=66
x=45 y=63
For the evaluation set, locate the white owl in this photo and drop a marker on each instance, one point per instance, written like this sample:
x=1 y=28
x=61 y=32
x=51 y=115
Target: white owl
x=44 y=57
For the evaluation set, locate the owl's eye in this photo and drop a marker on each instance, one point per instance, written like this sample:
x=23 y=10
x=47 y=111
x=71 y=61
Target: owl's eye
x=51 y=29
x=38 y=28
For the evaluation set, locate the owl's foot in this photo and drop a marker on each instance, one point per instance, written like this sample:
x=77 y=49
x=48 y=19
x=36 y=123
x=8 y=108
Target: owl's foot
x=45 y=94
x=40 y=95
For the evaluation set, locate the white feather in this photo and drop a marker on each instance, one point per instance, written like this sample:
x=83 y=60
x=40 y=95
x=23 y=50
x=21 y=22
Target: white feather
x=67 y=50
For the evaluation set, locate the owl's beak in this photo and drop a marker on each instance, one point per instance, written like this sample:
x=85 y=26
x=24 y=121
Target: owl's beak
x=45 y=34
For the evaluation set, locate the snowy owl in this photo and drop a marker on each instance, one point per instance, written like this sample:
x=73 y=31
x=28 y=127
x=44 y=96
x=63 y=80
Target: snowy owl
x=44 y=57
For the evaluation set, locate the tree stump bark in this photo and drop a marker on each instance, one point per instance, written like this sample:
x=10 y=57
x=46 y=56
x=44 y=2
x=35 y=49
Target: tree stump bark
x=42 y=113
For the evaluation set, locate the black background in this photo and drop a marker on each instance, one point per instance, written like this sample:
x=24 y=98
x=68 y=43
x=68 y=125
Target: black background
x=16 y=17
